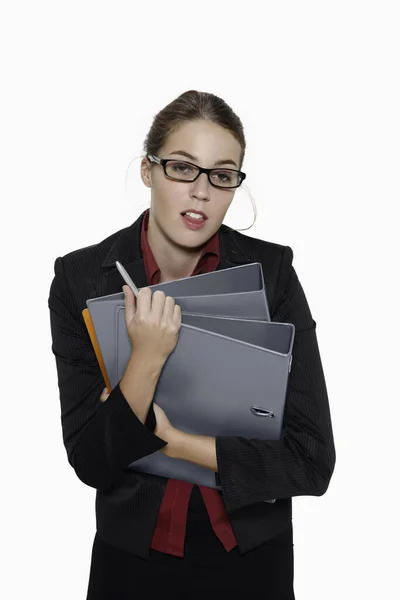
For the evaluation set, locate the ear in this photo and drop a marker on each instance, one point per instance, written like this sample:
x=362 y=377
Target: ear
x=145 y=172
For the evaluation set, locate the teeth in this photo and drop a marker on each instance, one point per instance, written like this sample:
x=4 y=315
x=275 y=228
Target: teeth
x=194 y=215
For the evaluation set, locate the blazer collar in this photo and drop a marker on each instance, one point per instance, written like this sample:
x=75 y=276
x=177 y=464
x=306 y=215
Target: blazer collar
x=126 y=249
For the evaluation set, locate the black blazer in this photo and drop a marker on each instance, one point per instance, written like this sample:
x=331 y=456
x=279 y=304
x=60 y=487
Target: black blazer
x=101 y=439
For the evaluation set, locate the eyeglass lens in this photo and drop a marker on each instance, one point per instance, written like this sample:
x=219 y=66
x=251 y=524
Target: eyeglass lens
x=186 y=172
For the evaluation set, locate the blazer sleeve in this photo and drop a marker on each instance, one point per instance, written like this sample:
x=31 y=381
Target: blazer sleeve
x=101 y=438
x=303 y=460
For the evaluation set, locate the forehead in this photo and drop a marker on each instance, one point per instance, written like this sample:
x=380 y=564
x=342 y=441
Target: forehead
x=205 y=140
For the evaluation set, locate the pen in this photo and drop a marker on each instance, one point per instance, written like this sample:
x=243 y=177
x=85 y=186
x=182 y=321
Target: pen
x=126 y=278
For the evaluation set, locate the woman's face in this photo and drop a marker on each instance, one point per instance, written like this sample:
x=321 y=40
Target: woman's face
x=207 y=143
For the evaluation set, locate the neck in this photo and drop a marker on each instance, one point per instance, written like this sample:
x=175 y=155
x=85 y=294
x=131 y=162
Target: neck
x=175 y=262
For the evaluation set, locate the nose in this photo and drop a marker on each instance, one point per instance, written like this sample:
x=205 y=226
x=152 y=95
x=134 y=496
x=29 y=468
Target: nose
x=201 y=187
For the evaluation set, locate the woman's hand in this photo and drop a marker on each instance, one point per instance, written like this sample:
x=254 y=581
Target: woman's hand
x=164 y=429
x=153 y=322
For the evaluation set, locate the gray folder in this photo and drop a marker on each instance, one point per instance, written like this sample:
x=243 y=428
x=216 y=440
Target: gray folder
x=226 y=376
x=234 y=292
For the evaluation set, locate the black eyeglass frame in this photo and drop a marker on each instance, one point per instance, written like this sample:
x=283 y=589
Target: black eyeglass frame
x=164 y=161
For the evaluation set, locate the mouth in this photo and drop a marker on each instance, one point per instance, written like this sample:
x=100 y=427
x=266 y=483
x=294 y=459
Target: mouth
x=192 y=222
x=194 y=214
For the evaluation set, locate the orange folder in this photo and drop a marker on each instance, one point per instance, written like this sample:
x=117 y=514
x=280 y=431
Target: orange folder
x=95 y=344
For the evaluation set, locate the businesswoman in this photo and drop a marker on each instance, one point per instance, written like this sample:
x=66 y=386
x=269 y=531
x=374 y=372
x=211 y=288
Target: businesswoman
x=159 y=535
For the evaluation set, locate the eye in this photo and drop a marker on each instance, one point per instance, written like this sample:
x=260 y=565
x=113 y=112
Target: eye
x=223 y=176
x=181 y=167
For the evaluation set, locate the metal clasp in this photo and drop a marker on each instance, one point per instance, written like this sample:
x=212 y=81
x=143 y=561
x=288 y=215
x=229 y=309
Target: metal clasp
x=261 y=412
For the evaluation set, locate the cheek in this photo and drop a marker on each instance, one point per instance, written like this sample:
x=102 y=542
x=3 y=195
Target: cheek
x=222 y=205
x=167 y=198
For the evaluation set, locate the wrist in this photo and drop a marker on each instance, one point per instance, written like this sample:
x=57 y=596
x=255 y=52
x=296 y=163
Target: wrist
x=173 y=437
x=152 y=363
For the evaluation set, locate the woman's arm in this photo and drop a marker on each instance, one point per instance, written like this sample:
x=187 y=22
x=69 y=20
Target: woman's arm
x=303 y=460
x=101 y=439
x=199 y=449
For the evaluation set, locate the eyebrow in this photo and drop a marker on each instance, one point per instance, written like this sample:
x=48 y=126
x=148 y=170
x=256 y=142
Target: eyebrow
x=229 y=161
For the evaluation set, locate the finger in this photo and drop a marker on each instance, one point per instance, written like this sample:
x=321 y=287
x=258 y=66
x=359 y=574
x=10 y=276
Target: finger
x=177 y=316
x=104 y=395
x=143 y=302
x=129 y=303
x=157 y=305
x=169 y=307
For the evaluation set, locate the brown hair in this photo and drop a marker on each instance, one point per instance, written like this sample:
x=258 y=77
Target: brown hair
x=192 y=106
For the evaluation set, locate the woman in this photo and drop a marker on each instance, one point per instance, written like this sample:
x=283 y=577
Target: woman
x=156 y=535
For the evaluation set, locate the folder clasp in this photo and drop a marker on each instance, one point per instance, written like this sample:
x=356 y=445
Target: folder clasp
x=261 y=412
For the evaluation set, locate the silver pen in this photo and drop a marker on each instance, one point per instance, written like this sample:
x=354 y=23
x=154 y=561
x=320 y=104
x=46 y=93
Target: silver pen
x=126 y=278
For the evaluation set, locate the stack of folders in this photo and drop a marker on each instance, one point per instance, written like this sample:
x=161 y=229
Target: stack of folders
x=228 y=373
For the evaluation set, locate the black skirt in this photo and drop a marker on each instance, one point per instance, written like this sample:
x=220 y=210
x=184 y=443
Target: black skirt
x=266 y=572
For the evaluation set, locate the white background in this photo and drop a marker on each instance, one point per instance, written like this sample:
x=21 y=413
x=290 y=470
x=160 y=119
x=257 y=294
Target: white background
x=316 y=85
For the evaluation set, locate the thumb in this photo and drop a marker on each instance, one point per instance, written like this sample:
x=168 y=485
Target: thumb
x=130 y=304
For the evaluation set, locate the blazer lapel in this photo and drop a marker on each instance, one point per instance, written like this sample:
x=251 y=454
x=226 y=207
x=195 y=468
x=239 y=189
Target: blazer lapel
x=231 y=255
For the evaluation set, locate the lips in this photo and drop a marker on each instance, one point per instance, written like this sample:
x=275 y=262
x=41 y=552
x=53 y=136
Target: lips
x=197 y=212
x=192 y=223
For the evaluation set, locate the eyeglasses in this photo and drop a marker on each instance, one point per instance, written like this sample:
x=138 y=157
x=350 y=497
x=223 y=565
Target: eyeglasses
x=185 y=171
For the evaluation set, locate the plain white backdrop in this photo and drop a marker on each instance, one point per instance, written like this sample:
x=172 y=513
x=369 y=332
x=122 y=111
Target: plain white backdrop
x=316 y=85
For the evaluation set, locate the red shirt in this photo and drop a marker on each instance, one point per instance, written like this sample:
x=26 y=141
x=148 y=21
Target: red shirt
x=169 y=533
